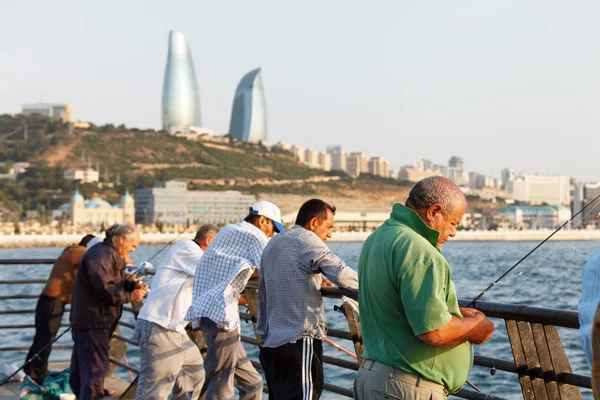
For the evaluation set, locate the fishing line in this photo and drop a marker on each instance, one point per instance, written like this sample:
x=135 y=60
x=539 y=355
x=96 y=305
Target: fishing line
x=530 y=272
x=530 y=252
x=180 y=233
x=36 y=355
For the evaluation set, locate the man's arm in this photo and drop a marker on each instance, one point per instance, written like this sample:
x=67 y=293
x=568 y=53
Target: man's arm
x=474 y=327
x=321 y=259
x=102 y=281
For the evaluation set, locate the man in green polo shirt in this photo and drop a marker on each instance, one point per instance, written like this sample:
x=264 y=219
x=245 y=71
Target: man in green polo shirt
x=418 y=342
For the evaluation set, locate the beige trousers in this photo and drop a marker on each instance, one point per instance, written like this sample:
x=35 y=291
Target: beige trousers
x=376 y=381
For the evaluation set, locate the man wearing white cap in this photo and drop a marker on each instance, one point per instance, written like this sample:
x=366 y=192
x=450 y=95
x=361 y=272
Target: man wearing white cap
x=221 y=276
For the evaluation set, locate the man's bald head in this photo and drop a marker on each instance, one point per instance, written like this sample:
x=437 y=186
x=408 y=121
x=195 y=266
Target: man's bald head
x=436 y=190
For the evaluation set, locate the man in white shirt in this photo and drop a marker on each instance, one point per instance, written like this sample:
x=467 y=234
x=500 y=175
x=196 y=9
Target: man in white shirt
x=170 y=362
x=221 y=276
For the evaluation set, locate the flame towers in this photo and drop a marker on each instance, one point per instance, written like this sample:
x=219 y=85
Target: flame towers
x=180 y=98
x=249 y=113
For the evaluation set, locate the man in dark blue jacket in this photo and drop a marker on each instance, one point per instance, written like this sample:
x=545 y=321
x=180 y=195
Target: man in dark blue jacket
x=99 y=292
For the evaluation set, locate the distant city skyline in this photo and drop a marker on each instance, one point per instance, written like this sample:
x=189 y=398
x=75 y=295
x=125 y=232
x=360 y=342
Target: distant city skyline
x=499 y=83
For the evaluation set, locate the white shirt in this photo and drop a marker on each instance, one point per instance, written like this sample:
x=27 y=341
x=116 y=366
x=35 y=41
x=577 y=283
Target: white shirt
x=171 y=292
x=223 y=273
x=588 y=304
x=95 y=240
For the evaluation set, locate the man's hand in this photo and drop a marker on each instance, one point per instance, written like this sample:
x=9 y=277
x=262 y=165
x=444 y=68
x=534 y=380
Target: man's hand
x=470 y=312
x=326 y=282
x=140 y=291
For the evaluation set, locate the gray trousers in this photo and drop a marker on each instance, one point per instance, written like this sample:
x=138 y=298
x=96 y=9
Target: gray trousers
x=169 y=363
x=227 y=366
x=378 y=381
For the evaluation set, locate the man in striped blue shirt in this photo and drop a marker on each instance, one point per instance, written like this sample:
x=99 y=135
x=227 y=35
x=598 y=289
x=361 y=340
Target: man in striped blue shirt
x=291 y=314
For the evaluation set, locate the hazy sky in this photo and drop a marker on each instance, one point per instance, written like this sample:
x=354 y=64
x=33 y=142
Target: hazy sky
x=500 y=83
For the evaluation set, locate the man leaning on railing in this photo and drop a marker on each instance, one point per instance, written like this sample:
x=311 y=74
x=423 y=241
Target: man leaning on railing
x=417 y=341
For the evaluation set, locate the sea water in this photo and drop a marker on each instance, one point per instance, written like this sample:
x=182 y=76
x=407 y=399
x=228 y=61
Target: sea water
x=549 y=278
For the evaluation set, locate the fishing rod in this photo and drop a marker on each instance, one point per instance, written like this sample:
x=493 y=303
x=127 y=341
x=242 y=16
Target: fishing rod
x=36 y=355
x=180 y=233
x=472 y=302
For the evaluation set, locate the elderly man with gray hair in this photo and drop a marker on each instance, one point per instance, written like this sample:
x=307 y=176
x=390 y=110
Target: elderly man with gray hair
x=170 y=362
x=418 y=343
x=99 y=292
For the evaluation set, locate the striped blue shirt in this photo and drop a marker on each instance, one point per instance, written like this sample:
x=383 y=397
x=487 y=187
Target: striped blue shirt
x=223 y=272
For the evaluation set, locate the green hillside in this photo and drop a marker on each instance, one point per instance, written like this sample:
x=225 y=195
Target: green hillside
x=131 y=159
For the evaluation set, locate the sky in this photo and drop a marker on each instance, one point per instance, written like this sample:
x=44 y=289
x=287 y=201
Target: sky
x=505 y=83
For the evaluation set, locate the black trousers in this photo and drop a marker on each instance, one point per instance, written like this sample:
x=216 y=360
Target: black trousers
x=48 y=315
x=294 y=370
x=89 y=362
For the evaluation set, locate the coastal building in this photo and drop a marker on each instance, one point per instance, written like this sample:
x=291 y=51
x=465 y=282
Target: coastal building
x=541 y=189
x=379 y=166
x=338 y=157
x=507 y=175
x=58 y=111
x=249 y=111
x=409 y=173
x=479 y=181
x=97 y=211
x=591 y=219
x=180 y=96
x=84 y=175
x=282 y=146
x=324 y=161
x=356 y=164
x=171 y=202
x=298 y=152
x=311 y=158
x=534 y=217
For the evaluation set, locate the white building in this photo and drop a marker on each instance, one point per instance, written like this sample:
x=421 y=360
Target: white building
x=85 y=175
x=61 y=112
x=282 y=145
x=356 y=164
x=298 y=152
x=172 y=203
x=379 y=166
x=96 y=211
x=540 y=189
x=409 y=173
x=311 y=158
x=324 y=161
x=338 y=157
x=535 y=217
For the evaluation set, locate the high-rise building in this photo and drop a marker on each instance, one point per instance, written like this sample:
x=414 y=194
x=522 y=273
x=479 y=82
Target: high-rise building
x=249 y=112
x=540 y=189
x=338 y=157
x=61 y=112
x=324 y=161
x=180 y=97
x=356 y=164
x=311 y=158
x=379 y=166
x=298 y=152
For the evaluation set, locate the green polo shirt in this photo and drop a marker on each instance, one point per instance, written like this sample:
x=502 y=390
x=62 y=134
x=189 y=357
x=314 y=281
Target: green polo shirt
x=406 y=290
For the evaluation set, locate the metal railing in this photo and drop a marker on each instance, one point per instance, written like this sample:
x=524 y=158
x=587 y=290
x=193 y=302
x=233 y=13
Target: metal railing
x=560 y=318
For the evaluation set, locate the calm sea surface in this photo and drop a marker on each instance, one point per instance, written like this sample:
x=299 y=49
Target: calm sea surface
x=550 y=278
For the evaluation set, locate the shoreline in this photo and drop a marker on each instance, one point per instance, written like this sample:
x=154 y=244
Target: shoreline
x=57 y=240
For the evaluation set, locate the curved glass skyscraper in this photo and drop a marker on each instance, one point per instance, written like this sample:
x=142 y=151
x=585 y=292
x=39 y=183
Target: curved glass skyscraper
x=249 y=113
x=180 y=98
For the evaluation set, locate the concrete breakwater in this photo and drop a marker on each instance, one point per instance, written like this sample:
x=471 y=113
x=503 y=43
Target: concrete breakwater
x=58 y=240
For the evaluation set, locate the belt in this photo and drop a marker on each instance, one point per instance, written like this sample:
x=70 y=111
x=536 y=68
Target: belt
x=404 y=376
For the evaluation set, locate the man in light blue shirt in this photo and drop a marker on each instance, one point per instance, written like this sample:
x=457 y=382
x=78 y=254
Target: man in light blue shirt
x=588 y=304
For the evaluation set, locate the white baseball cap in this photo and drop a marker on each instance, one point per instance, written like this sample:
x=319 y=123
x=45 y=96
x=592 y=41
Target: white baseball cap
x=270 y=211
